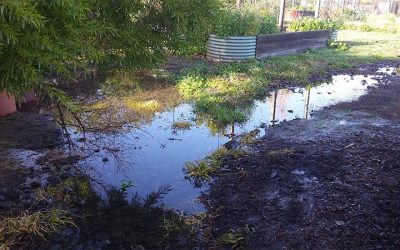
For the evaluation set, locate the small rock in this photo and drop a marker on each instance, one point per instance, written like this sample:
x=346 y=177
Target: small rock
x=36 y=183
x=290 y=111
x=298 y=172
x=339 y=222
x=105 y=159
x=274 y=173
x=232 y=144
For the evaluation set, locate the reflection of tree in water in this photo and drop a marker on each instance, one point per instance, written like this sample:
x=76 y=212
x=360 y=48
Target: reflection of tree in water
x=219 y=124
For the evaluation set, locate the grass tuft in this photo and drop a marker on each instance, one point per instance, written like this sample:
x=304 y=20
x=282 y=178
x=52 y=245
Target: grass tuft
x=23 y=228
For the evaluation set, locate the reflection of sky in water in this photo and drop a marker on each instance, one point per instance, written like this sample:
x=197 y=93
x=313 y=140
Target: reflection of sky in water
x=154 y=155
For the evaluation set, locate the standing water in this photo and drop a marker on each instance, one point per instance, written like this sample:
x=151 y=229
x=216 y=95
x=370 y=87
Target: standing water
x=154 y=154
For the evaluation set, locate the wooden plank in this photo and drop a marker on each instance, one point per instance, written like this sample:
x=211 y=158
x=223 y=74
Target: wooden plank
x=278 y=37
x=290 y=43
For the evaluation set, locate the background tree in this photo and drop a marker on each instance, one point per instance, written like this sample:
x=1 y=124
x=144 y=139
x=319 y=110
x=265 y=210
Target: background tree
x=42 y=40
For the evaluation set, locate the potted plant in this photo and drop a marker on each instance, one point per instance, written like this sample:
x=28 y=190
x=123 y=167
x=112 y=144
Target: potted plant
x=7 y=104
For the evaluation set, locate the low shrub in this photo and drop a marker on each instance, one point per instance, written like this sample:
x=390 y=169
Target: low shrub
x=309 y=24
x=333 y=44
x=388 y=23
x=245 y=23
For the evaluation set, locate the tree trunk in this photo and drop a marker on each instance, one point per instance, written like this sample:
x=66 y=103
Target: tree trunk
x=281 y=15
x=317 y=7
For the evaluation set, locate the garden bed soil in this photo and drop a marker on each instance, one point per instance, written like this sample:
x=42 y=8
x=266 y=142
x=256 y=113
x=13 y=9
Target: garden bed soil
x=331 y=182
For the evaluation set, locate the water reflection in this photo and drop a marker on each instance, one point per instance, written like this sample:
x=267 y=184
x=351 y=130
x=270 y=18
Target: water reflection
x=154 y=154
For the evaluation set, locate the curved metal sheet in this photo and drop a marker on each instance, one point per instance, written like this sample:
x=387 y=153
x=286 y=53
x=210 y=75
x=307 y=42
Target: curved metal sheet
x=233 y=48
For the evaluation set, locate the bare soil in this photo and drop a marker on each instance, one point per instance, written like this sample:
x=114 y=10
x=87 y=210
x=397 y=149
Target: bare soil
x=327 y=183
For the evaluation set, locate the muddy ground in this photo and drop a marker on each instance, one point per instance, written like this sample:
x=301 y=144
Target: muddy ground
x=327 y=183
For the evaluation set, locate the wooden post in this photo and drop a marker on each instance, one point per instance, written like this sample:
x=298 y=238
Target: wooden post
x=273 y=121
x=307 y=104
x=281 y=14
x=317 y=7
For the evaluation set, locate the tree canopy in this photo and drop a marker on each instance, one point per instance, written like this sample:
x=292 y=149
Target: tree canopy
x=41 y=39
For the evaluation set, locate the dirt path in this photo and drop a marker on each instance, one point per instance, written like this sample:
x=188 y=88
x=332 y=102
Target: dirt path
x=327 y=183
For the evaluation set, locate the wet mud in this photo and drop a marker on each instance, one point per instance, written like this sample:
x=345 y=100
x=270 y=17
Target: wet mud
x=326 y=183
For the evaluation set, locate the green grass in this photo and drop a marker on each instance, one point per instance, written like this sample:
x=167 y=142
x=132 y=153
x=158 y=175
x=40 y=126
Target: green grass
x=201 y=170
x=18 y=230
x=224 y=93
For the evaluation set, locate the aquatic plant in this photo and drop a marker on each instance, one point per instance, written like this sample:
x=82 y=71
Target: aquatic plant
x=201 y=170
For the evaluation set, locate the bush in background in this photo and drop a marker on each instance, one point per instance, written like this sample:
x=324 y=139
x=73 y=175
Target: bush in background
x=309 y=24
x=388 y=23
x=245 y=23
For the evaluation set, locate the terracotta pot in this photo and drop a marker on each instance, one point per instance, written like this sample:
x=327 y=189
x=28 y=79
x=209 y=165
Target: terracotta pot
x=7 y=104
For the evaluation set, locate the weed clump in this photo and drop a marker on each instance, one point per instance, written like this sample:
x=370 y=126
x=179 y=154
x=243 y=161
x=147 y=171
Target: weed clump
x=181 y=125
x=201 y=170
x=283 y=152
x=23 y=228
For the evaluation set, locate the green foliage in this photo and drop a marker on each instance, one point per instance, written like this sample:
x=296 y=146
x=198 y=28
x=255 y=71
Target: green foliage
x=19 y=230
x=201 y=170
x=244 y=23
x=336 y=45
x=125 y=185
x=309 y=24
x=219 y=111
x=42 y=40
x=233 y=239
x=120 y=83
x=388 y=23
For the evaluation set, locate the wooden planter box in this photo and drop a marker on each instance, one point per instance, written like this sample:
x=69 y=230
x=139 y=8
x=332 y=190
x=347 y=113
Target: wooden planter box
x=290 y=43
x=7 y=104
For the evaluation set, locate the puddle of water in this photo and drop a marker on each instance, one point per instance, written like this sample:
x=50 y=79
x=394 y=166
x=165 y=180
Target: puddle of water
x=154 y=154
